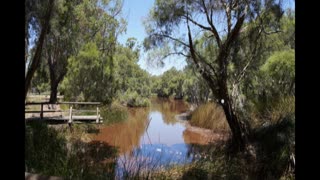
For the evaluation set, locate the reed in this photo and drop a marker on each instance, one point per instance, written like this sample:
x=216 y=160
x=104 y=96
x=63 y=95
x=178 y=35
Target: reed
x=209 y=116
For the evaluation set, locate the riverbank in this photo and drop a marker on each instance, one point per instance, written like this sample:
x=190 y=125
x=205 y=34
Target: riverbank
x=198 y=134
x=158 y=125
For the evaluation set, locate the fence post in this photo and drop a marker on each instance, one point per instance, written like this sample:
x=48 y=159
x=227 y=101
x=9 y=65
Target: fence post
x=70 y=115
x=41 y=113
x=98 y=117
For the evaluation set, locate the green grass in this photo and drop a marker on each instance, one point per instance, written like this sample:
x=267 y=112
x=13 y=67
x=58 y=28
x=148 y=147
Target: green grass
x=48 y=152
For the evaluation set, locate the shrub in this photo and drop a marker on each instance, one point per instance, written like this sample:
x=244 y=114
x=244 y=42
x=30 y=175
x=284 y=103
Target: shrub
x=48 y=152
x=133 y=99
x=114 y=113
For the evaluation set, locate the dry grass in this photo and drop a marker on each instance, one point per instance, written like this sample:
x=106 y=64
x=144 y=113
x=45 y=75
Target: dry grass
x=40 y=98
x=285 y=106
x=209 y=116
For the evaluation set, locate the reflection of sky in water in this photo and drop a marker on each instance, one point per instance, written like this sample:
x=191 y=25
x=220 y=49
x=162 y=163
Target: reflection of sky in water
x=160 y=133
x=161 y=145
x=176 y=153
x=153 y=156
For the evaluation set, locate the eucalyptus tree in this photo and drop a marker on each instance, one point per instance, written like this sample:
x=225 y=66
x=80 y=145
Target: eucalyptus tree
x=60 y=43
x=38 y=16
x=133 y=83
x=75 y=24
x=171 y=84
x=90 y=70
x=222 y=22
x=195 y=89
x=259 y=90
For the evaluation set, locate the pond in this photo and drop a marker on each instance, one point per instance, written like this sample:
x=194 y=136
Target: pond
x=153 y=136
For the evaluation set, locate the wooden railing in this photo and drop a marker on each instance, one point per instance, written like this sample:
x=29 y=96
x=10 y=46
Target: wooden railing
x=71 y=110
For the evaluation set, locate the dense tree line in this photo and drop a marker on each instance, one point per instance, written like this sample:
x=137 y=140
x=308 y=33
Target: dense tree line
x=75 y=51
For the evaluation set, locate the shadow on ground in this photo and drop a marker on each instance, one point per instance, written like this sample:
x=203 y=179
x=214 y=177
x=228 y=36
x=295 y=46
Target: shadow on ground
x=47 y=152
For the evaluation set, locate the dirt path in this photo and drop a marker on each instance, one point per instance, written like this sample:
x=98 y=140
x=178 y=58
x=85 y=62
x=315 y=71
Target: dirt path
x=46 y=108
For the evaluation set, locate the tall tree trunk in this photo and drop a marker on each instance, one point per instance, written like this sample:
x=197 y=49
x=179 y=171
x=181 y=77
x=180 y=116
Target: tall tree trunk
x=37 y=56
x=219 y=85
x=53 y=91
x=55 y=79
x=240 y=131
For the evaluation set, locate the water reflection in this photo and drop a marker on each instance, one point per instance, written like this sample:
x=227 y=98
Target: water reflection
x=126 y=135
x=169 y=108
x=159 y=132
x=152 y=135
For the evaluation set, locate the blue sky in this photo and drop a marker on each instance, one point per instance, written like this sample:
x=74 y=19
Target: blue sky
x=134 y=11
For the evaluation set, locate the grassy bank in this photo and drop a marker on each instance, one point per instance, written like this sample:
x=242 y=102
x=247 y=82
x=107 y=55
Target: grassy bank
x=209 y=116
x=114 y=113
x=59 y=152
x=272 y=143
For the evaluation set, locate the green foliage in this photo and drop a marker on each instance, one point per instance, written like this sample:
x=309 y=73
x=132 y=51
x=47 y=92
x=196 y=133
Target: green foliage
x=276 y=86
x=110 y=78
x=114 y=113
x=182 y=84
x=128 y=74
x=270 y=77
x=47 y=152
x=40 y=81
x=38 y=152
x=171 y=83
x=195 y=88
x=280 y=68
x=74 y=25
x=86 y=79
x=133 y=99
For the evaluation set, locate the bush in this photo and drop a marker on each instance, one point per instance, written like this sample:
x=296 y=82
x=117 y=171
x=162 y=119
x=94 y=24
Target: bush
x=133 y=99
x=139 y=102
x=276 y=144
x=284 y=107
x=114 y=113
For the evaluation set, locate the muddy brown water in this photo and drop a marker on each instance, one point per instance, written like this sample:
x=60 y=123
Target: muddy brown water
x=154 y=134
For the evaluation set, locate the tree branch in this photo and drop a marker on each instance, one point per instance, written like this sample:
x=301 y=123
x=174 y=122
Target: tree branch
x=208 y=64
x=227 y=8
x=172 y=38
x=199 y=25
x=203 y=73
x=213 y=28
x=234 y=33
x=270 y=32
x=242 y=73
